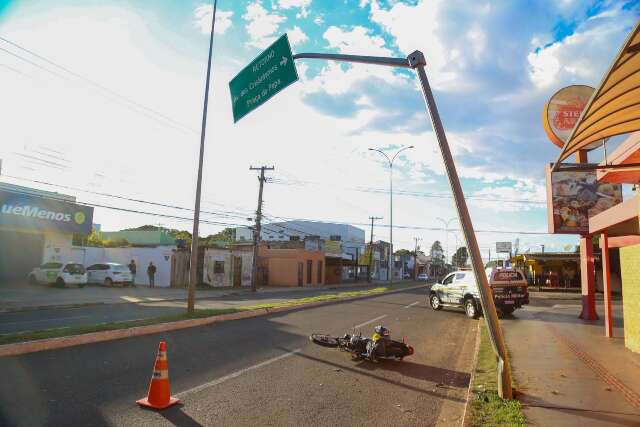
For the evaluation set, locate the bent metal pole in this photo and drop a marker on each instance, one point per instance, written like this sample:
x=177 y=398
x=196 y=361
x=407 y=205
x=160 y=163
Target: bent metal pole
x=193 y=262
x=417 y=62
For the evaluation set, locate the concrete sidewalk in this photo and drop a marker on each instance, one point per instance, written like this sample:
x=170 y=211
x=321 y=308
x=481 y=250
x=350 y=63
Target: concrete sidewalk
x=37 y=297
x=567 y=372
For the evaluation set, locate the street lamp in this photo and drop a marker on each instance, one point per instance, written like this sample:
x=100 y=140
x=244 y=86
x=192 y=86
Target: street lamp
x=390 y=160
x=446 y=228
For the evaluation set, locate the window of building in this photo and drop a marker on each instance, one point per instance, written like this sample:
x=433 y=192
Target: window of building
x=335 y=237
x=218 y=267
x=294 y=238
x=309 y=273
x=319 y=272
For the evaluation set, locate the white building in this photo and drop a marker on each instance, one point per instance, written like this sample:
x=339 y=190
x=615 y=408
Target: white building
x=352 y=239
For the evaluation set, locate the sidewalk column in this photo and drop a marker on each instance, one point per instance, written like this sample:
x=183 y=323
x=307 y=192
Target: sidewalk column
x=587 y=276
x=606 y=281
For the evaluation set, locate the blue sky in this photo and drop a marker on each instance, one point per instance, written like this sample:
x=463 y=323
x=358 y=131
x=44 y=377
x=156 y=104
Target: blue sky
x=492 y=66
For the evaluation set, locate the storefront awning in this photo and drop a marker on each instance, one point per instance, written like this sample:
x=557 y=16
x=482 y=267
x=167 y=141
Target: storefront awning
x=614 y=108
x=621 y=220
x=628 y=153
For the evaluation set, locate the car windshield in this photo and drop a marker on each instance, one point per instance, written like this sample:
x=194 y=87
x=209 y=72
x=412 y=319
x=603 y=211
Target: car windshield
x=119 y=267
x=75 y=268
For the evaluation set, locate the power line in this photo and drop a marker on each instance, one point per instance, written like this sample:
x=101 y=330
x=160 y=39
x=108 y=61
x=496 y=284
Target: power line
x=229 y=214
x=413 y=193
x=413 y=227
x=175 y=124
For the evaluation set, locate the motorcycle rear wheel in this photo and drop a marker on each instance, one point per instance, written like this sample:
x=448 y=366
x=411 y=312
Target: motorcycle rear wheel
x=324 y=340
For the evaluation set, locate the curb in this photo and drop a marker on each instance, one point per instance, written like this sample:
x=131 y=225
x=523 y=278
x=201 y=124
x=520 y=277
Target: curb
x=26 y=347
x=466 y=416
x=234 y=293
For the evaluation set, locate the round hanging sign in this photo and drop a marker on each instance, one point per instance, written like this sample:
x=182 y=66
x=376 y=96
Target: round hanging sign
x=563 y=110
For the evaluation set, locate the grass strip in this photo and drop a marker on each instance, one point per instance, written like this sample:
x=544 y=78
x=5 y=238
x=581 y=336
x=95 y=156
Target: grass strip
x=489 y=409
x=197 y=314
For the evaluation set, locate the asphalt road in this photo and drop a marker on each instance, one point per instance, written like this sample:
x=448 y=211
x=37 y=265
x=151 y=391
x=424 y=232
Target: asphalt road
x=32 y=320
x=259 y=371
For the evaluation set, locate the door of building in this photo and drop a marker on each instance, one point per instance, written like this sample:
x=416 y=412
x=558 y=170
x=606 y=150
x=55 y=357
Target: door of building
x=309 y=272
x=300 y=273
x=237 y=271
x=19 y=253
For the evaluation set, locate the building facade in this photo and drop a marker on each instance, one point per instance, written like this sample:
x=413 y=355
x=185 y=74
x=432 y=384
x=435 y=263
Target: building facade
x=37 y=226
x=228 y=267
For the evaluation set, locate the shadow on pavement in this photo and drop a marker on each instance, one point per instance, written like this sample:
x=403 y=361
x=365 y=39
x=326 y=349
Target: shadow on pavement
x=176 y=416
x=615 y=418
x=420 y=371
x=386 y=380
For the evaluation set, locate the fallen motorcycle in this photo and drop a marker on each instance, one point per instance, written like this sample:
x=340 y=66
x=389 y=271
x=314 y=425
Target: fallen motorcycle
x=363 y=348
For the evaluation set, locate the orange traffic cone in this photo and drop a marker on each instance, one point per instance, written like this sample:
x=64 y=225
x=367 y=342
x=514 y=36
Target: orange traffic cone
x=159 y=395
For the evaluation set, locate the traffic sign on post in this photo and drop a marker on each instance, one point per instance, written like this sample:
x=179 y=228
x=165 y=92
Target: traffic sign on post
x=268 y=74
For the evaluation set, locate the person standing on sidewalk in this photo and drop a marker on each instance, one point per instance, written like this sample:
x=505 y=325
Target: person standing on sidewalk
x=151 y=272
x=132 y=268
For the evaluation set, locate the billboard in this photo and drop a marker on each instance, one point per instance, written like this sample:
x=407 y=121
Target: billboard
x=25 y=211
x=574 y=197
x=502 y=247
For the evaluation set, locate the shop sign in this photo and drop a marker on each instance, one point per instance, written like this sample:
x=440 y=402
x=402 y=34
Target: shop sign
x=19 y=210
x=503 y=247
x=574 y=197
x=563 y=110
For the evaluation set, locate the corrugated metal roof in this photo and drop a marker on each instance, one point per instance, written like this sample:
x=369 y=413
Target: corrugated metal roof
x=614 y=108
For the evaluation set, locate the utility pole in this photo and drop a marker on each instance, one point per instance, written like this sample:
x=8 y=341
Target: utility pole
x=372 y=218
x=257 y=228
x=193 y=264
x=415 y=258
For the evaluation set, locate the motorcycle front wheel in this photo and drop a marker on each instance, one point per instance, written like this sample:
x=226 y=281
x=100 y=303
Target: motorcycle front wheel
x=324 y=340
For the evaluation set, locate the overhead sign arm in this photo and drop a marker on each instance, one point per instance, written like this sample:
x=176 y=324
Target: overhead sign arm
x=373 y=60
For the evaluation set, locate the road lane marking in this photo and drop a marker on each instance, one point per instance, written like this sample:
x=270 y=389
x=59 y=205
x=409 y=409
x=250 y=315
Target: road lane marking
x=369 y=321
x=43 y=320
x=237 y=373
x=412 y=304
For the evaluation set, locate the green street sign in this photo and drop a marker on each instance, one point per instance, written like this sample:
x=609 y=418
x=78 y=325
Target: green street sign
x=268 y=74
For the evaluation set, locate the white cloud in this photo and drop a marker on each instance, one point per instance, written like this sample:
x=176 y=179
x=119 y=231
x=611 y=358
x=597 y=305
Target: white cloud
x=358 y=40
x=202 y=19
x=262 y=26
x=578 y=58
x=296 y=36
x=318 y=20
x=300 y=4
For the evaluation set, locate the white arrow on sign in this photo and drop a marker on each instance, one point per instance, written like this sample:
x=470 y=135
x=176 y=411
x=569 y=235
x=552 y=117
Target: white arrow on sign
x=283 y=62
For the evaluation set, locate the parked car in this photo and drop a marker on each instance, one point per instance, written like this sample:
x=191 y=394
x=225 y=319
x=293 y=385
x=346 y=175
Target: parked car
x=423 y=276
x=59 y=273
x=108 y=273
x=406 y=275
x=459 y=290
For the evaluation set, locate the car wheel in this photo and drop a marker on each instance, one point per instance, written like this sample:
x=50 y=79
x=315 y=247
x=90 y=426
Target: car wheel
x=108 y=282
x=32 y=280
x=60 y=282
x=435 y=303
x=470 y=308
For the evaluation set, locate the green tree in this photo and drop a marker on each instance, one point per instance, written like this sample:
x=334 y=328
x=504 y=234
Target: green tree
x=459 y=259
x=437 y=253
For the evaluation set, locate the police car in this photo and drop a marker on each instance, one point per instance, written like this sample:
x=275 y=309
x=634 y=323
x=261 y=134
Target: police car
x=59 y=273
x=509 y=288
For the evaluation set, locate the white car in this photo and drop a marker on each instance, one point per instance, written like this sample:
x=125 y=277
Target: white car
x=59 y=273
x=108 y=273
x=423 y=276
